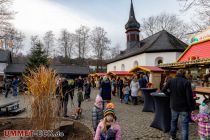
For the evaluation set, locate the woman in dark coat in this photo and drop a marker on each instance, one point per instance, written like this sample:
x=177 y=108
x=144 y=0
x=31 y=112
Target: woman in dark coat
x=106 y=90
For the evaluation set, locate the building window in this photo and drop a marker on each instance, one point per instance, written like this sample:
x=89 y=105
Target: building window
x=136 y=63
x=114 y=68
x=122 y=67
x=158 y=61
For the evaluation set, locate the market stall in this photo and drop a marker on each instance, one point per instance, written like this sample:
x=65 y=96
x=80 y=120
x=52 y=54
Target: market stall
x=119 y=74
x=196 y=61
x=154 y=74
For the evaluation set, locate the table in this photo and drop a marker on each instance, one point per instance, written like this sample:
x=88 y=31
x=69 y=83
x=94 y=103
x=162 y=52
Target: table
x=148 y=100
x=162 y=118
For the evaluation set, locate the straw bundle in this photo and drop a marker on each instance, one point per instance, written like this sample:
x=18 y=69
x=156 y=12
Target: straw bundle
x=41 y=84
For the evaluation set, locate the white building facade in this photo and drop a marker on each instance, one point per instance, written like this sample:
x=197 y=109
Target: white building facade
x=145 y=59
x=161 y=47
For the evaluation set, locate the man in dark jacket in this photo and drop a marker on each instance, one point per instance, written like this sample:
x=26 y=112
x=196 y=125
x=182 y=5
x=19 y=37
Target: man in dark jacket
x=80 y=83
x=181 y=102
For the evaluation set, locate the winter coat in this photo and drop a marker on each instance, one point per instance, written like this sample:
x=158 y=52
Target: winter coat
x=87 y=87
x=65 y=93
x=80 y=83
x=126 y=90
x=181 y=97
x=203 y=124
x=106 y=90
x=97 y=116
x=112 y=133
x=80 y=96
x=142 y=83
x=134 y=88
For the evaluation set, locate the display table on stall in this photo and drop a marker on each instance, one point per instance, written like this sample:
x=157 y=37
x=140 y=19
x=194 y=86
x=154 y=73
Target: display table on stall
x=162 y=118
x=148 y=100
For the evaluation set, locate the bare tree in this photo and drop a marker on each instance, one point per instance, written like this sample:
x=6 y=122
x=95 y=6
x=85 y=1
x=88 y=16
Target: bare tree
x=34 y=40
x=82 y=38
x=201 y=9
x=49 y=42
x=100 y=44
x=114 y=51
x=18 y=42
x=164 y=21
x=66 y=42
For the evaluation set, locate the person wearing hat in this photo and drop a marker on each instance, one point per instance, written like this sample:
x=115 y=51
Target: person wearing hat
x=203 y=119
x=108 y=128
x=97 y=112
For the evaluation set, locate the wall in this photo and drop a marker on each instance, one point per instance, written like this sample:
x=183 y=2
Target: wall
x=146 y=59
x=2 y=67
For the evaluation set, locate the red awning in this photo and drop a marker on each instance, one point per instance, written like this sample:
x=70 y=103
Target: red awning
x=197 y=51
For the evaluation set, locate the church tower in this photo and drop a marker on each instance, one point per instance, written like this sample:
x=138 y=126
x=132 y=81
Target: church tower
x=132 y=29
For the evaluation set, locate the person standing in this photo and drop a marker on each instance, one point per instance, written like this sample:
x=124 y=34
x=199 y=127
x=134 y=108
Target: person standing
x=142 y=81
x=126 y=92
x=80 y=98
x=134 y=86
x=80 y=83
x=8 y=84
x=65 y=96
x=113 y=86
x=97 y=112
x=181 y=103
x=15 y=86
x=87 y=89
x=105 y=90
x=121 y=89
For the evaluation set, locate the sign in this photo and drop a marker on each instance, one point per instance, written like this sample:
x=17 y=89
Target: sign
x=201 y=36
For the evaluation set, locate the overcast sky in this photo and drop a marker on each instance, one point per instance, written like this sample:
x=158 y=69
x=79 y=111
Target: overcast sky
x=38 y=16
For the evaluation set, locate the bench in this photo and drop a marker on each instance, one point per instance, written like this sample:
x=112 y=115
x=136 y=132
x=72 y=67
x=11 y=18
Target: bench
x=11 y=107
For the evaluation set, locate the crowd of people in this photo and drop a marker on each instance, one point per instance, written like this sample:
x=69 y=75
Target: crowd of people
x=12 y=86
x=104 y=118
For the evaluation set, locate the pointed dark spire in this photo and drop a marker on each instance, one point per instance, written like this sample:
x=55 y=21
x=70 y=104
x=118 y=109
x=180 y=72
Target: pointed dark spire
x=132 y=14
x=132 y=22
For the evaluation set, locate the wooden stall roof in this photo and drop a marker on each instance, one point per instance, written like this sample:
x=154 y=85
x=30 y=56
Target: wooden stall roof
x=200 y=62
x=147 y=69
x=120 y=73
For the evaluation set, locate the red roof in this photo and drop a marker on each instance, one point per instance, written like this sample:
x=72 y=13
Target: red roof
x=121 y=73
x=199 y=51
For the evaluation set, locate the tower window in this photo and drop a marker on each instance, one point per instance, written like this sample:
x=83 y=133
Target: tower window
x=123 y=67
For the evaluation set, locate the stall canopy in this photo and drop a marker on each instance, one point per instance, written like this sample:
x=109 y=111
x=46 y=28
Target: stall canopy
x=98 y=74
x=119 y=73
x=197 y=53
x=147 y=69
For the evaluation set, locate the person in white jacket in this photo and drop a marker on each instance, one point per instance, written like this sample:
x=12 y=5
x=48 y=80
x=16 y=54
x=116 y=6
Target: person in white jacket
x=134 y=86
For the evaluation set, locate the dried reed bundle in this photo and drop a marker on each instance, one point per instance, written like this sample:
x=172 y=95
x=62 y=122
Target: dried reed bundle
x=42 y=85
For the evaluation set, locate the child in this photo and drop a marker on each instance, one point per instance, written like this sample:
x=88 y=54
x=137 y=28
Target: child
x=108 y=128
x=203 y=119
x=97 y=112
x=126 y=92
x=79 y=97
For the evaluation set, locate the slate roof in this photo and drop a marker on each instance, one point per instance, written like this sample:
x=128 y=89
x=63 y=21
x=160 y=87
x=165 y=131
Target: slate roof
x=61 y=69
x=15 y=68
x=5 y=56
x=160 y=42
x=71 y=69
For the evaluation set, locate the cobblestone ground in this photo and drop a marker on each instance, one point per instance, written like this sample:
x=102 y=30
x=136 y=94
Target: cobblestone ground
x=135 y=123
